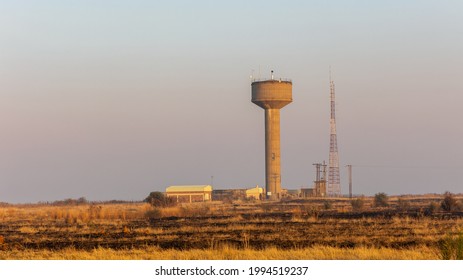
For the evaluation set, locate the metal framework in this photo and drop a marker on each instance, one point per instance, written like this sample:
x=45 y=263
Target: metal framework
x=334 y=185
x=320 y=179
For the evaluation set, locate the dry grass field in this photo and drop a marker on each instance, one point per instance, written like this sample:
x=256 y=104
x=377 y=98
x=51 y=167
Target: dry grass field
x=409 y=228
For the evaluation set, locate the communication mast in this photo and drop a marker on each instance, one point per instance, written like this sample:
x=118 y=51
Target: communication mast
x=334 y=186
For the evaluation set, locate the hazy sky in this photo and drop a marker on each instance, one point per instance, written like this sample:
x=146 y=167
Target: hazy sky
x=114 y=99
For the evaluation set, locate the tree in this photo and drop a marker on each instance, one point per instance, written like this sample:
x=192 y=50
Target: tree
x=158 y=199
x=449 y=203
x=82 y=200
x=381 y=200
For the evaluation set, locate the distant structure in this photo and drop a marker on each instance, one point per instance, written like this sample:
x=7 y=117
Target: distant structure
x=319 y=187
x=229 y=195
x=190 y=194
x=320 y=179
x=307 y=192
x=349 y=172
x=295 y=193
x=272 y=95
x=255 y=193
x=334 y=186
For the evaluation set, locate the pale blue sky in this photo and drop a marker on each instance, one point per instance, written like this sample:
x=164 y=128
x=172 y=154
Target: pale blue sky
x=114 y=99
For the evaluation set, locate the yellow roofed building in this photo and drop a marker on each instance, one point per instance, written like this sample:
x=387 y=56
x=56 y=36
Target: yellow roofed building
x=189 y=194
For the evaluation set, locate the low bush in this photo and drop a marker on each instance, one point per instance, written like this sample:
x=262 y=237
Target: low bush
x=432 y=208
x=357 y=204
x=381 y=200
x=403 y=204
x=449 y=203
x=451 y=248
x=154 y=213
x=158 y=199
x=327 y=205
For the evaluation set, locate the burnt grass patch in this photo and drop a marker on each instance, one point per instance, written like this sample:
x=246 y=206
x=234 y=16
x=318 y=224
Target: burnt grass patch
x=391 y=229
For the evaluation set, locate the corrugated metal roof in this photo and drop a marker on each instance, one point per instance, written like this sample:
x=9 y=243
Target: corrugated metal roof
x=194 y=188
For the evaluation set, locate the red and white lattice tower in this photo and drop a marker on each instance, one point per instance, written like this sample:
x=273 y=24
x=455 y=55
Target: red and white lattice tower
x=334 y=185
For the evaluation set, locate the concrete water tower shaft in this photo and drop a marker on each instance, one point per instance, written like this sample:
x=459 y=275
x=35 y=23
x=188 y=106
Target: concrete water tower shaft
x=272 y=95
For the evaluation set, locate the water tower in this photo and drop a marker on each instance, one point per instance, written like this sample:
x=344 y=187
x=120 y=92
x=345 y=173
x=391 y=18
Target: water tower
x=272 y=95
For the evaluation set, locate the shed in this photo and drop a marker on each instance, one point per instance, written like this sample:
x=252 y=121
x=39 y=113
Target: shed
x=194 y=193
x=255 y=193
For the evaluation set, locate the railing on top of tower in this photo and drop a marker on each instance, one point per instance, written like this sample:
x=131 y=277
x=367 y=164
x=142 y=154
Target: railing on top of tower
x=272 y=78
x=267 y=79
